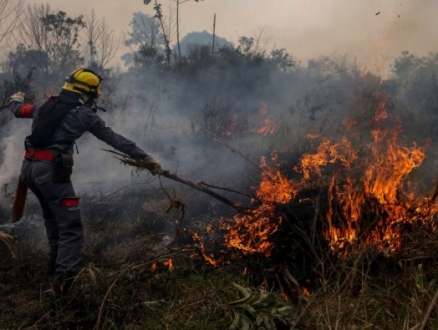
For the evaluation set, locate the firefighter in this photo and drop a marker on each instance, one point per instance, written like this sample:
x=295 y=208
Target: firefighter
x=48 y=160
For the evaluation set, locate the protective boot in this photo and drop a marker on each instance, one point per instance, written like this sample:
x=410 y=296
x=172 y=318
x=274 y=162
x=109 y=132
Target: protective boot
x=62 y=283
x=51 y=262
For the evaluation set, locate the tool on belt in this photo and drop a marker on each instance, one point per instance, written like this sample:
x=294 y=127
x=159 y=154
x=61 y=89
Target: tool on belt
x=63 y=170
x=63 y=163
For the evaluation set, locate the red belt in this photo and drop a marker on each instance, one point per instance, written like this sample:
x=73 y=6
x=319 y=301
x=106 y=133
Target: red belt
x=40 y=154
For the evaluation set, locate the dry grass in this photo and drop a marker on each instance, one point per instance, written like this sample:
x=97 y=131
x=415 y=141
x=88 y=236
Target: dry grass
x=117 y=289
x=7 y=240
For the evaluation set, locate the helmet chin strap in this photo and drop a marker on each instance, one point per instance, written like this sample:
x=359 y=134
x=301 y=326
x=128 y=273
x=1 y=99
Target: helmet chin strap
x=93 y=106
x=89 y=102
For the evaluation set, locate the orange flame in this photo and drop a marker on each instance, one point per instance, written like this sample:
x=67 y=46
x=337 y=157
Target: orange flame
x=368 y=197
x=267 y=125
x=169 y=264
x=305 y=291
x=209 y=258
x=250 y=233
x=371 y=185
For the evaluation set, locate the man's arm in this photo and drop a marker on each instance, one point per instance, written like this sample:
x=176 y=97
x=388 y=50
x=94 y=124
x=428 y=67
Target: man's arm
x=18 y=108
x=120 y=143
x=117 y=141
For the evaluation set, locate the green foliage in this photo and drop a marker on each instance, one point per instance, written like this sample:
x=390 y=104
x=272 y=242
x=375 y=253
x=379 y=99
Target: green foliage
x=144 y=30
x=52 y=45
x=415 y=89
x=62 y=27
x=149 y=57
x=62 y=32
x=282 y=59
x=23 y=58
x=261 y=311
x=197 y=39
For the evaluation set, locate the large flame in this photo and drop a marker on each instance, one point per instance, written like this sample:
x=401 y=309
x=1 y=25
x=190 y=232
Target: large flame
x=251 y=232
x=369 y=197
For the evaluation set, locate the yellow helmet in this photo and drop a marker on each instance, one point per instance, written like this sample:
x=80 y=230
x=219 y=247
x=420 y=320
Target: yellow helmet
x=83 y=81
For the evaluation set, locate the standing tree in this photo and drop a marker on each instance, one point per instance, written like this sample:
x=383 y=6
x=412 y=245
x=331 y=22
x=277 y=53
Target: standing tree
x=145 y=30
x=144 y=34
x=167 y=33
x=100 y=43
x=56 y=35
x=178 y=3
x=10 y=13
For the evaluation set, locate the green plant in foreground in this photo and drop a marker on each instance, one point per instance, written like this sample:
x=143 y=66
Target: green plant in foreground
x=260 y=311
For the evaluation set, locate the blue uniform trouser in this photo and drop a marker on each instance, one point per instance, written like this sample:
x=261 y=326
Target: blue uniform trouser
x=61 y=213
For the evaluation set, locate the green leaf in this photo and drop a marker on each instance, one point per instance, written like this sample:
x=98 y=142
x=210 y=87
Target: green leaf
x=249 y=308
x=245 y=323
x=156 y=304
x=236 y=320
x=285 y=309
x=263 y=297
x=246 y=294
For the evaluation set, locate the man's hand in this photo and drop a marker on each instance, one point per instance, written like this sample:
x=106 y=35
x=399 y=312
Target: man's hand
x=152 y=165
x=17 y=97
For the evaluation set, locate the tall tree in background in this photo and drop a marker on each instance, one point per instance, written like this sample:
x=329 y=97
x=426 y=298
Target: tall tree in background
x=100 y=42
x=144 y=30
x=168 y=31
x=10 y=14
x=178 y=3
x=145 y=40
x=56 y=35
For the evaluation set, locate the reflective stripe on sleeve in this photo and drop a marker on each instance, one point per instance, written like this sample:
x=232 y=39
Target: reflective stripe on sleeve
x=72 y=201
x=26 y=111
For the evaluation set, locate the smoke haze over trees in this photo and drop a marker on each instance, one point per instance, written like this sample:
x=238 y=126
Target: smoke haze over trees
x=229 y=89
x=224 y=89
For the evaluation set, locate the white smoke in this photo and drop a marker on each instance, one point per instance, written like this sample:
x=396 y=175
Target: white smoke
x=12 y=145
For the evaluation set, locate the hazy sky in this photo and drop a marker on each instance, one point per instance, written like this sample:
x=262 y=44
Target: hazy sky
x=371 y=30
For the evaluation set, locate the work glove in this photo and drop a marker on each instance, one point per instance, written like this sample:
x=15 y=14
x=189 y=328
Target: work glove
x=17 y=97
x=152 y=165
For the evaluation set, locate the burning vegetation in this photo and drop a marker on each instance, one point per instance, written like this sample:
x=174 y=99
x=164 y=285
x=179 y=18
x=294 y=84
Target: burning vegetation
x=365 y=195
x=352 y=193
x=359 y=184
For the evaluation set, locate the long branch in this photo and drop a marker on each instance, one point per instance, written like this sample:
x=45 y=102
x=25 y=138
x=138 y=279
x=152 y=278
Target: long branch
x=199 y=187
x=139 y=165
